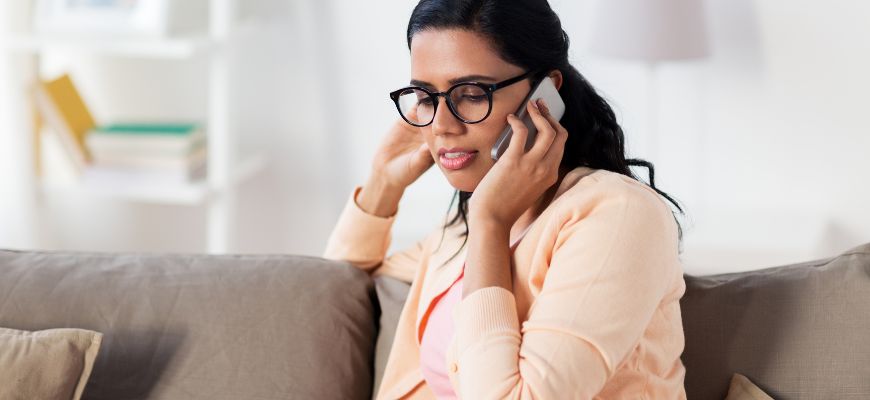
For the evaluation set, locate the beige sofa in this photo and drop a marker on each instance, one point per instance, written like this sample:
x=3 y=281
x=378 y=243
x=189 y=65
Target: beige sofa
x=191 y=326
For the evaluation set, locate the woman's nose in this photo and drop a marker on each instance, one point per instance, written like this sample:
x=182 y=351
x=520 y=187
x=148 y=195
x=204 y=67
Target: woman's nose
x=444 y=121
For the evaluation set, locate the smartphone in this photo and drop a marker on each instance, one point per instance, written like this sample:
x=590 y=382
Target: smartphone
x=544 y=89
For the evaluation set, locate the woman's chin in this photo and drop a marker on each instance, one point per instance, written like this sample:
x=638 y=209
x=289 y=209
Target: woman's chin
x=463 y=183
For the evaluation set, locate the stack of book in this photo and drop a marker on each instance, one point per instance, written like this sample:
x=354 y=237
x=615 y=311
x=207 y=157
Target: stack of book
x=122 y=153
x=148 y=151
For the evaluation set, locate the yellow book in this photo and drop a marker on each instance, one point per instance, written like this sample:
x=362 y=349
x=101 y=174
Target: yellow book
x=64 y=111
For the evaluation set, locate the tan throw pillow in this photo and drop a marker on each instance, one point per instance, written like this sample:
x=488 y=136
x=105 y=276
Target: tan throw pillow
x=47 y=364
x=743 y=389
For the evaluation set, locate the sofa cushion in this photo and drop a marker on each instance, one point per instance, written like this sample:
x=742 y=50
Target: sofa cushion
x=181 y=326
x=391 y=294
x=47 y=364
x=797 y=331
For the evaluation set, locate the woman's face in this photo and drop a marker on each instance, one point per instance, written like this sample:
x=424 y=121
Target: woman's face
x=440 y=58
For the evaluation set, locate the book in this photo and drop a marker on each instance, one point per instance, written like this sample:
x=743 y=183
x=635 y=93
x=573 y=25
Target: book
x=147 y=152
x=55 y=165
x=123 y=151
x=182 y=162
x=61 y=107
x=115 y=176
x=145 y=139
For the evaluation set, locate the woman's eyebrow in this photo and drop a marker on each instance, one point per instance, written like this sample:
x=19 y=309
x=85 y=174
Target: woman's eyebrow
x=454 y=81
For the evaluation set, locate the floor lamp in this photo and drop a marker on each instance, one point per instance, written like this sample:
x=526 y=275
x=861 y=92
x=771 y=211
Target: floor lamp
x=650 y=32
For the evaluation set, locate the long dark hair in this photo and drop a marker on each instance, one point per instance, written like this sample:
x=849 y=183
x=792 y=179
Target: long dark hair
x=529 y=34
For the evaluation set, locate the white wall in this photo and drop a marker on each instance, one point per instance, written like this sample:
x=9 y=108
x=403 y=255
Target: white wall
x=764 y=142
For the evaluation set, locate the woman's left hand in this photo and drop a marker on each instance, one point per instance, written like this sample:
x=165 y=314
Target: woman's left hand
x=519 y=178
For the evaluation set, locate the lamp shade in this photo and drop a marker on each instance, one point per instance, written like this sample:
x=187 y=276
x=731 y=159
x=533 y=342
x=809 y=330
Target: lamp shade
x=650 y=30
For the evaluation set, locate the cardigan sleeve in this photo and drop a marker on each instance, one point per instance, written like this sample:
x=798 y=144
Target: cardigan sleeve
x=363 y=239
x=613 y=260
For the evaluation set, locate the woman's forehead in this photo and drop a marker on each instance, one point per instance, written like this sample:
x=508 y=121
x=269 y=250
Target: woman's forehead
x=439 y=56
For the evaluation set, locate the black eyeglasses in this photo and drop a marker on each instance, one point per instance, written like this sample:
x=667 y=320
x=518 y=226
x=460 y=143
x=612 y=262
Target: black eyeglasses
x=470 y=102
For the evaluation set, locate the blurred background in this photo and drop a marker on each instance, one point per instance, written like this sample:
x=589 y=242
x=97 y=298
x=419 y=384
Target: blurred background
x=753 y=112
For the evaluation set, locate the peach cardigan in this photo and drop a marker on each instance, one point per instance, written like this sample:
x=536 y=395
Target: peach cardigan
x=594 y=311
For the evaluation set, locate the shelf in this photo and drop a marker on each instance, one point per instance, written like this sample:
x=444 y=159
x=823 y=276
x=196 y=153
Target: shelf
x=214 y=195
x=181 y=47
x=150 y=191
x=173 y=193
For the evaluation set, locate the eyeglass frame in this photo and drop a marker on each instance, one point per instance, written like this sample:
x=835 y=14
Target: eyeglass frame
x=488 y=89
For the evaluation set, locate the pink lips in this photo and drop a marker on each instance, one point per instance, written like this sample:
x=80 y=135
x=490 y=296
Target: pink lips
x=458 y=162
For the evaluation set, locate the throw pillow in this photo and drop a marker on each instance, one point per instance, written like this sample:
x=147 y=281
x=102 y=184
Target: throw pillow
x=743 y=389
x=47 y=364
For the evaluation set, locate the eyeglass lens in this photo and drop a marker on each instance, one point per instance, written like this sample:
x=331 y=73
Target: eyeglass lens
x=470 y=103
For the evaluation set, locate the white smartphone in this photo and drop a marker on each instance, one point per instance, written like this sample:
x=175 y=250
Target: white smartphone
x=543 y=89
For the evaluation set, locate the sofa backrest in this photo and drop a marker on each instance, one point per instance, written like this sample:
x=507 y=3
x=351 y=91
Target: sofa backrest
x=272 y=326
x=203 y=326
x=799 y=331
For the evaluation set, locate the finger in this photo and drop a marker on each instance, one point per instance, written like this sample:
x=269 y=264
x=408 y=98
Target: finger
x=546 y=132
x=517 y=144
x=545 y=111
x=557 y=149
x=561 y=132
x=412 y=116
x=421 y=159
x=412 y=113
x=424 y=154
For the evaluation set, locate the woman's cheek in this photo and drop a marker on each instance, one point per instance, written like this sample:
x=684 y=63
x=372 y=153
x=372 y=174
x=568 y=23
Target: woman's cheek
x=495 y=129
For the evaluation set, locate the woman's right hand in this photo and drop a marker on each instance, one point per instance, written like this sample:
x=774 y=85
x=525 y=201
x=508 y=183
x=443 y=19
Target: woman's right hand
x=402 y=157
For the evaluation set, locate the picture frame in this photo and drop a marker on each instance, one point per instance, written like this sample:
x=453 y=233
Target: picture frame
x=101 y=17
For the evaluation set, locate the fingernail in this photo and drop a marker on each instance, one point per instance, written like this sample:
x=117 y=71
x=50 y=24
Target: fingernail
x=533 y=103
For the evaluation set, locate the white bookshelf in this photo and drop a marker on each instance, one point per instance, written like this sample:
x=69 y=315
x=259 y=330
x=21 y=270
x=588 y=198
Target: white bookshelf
x=226 y=168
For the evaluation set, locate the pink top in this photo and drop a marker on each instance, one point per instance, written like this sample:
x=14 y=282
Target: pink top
x=437 y=336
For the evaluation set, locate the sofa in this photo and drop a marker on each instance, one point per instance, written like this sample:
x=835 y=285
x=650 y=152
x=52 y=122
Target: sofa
x=197 y=326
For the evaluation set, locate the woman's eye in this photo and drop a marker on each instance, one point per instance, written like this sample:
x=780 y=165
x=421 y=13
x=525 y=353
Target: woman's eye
x=425 y=101
x=473 y=98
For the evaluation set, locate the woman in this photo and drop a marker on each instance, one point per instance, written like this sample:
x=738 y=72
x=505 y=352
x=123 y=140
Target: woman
x=563 y=279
